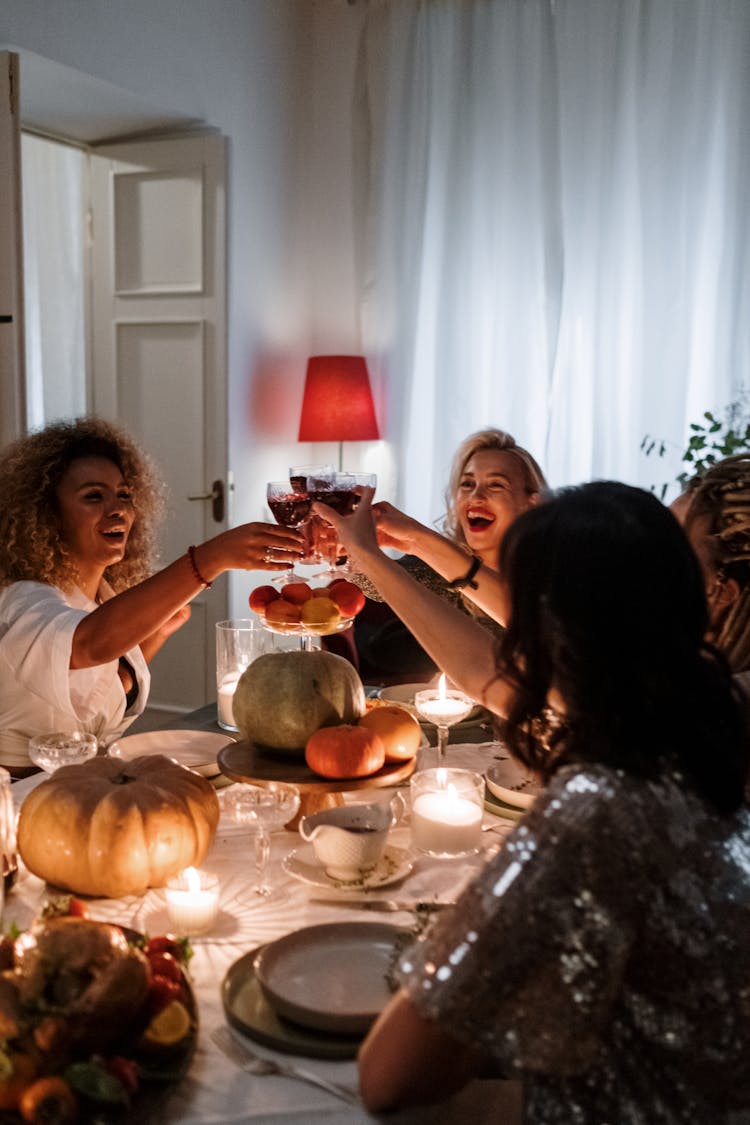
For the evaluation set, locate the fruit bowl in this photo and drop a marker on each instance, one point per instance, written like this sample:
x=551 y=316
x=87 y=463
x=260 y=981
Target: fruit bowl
x=297 y=629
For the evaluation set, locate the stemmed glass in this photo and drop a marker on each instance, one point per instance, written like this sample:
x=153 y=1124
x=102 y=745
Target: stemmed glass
x=290 y=507
x=342 y=493
x=263 y=809
x=50 y=751
x=443 y=707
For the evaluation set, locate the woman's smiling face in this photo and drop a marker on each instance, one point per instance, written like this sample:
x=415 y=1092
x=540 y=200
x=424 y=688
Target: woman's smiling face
x=491 y=492
x=96 y=513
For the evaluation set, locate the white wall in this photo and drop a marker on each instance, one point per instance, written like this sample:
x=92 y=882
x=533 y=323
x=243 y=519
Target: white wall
x=275 y=76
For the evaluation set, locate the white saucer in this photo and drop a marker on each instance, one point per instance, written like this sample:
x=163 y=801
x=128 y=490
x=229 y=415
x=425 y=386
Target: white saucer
x=394 y=864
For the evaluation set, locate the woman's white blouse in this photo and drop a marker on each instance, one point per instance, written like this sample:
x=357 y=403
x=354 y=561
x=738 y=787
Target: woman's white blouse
x=39 y=692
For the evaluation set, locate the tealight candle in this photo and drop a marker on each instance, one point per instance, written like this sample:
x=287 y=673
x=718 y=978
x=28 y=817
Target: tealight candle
x=446 y=811
x=192 y=901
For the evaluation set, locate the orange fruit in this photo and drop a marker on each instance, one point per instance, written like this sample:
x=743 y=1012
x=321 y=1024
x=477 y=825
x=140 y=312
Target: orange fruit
x=261 y=596
x=281 y=613
x=348 y=597
x=397 y=727
x=320 y=614
x=297 y=592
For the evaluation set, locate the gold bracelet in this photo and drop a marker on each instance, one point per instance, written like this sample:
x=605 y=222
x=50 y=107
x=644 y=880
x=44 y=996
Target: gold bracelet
x=196 y=572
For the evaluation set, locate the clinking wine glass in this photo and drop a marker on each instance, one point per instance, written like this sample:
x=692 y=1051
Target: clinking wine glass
x=263 y=809
x=290 y=507
x=342 y=493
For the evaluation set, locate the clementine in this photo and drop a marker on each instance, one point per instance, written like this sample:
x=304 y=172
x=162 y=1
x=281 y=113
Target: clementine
x=399 y=730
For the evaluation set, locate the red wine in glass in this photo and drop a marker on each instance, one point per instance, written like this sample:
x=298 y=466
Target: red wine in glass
x=290 y=510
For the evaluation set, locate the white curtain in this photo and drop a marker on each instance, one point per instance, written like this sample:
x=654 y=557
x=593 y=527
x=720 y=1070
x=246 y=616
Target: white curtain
x=54 y=289
x=556 y=241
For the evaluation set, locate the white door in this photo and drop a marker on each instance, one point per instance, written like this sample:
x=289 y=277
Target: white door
x=159 y=356
x=12 y=400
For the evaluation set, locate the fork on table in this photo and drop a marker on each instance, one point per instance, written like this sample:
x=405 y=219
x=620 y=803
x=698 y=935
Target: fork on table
x=252 y=1063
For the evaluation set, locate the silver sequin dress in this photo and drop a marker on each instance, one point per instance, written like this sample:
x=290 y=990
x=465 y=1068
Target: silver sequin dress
x=603 y=956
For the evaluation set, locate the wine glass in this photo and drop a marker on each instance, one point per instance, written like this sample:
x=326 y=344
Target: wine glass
x=342 y=493
x=263 y=809
x=290 y=507
x=50 y=751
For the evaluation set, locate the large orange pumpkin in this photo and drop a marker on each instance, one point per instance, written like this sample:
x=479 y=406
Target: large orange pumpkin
x=345 y=751
x=112 y=828
x=284 y=697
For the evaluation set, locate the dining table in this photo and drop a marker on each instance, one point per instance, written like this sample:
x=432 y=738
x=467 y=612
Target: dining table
x=215 y=1088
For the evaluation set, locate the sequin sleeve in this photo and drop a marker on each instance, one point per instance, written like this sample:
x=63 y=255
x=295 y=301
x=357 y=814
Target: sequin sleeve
x=530 y=962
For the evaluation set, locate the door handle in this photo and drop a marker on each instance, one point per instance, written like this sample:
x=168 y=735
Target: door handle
x=216 y=496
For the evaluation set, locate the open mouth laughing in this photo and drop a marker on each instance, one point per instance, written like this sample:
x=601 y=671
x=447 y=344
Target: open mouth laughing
x=479 y=519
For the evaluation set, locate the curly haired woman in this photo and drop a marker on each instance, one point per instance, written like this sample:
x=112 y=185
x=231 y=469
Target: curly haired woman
x=80 y=617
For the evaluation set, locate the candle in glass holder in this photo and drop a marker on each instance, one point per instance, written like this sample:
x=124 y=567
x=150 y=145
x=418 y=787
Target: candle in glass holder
x=446 y=811
x=192 y=901
x=225 y=701
x=443 y=706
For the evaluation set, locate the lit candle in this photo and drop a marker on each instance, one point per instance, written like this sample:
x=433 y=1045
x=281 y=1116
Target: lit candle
x=446 y=811
x=443 y=707
x=192 y=901
x=227 y=688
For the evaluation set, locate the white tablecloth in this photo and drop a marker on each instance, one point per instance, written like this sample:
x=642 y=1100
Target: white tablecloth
x=215 y=1089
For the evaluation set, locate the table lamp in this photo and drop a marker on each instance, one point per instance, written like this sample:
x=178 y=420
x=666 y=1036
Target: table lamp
x=337 y=404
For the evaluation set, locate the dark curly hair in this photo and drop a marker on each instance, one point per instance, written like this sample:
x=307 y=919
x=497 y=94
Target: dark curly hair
x=608 y=609
x=31 y=469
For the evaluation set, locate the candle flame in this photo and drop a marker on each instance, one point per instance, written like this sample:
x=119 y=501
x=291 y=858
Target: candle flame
x=441 y=776
x=193 y=879
x=441 y=687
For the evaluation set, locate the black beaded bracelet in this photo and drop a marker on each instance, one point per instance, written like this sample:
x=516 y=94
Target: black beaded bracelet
x=196 y=572
x=468 y=578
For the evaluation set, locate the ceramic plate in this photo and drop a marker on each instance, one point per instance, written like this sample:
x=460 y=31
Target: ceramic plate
x=196 y=749
x=333 y=977
x=497 y=807
x=394 y=864
x=404 y=695
x=247 y=1009
x=512 y=783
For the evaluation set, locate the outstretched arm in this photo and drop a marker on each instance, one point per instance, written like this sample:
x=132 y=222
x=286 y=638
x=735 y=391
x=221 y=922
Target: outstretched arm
x=396 y=529
x=143 y=613
x=461 y=647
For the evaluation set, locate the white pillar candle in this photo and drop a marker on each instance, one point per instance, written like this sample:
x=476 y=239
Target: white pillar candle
x=446 y=811
x=227 y=688
x=192 y=901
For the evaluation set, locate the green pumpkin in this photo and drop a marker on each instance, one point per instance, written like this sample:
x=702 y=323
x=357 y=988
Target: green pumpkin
x=284 y=697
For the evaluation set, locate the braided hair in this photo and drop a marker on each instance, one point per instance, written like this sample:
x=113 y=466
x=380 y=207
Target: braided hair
x=722 y=498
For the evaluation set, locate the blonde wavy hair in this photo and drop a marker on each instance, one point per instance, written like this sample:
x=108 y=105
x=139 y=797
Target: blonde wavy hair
x=534 y=480
x=31 y=468
x=723 y=496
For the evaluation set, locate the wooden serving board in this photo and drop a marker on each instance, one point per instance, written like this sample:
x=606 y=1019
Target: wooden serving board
x=251 y=762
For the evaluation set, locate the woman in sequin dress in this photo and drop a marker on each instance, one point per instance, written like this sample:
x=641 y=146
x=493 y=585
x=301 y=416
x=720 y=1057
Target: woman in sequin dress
x=603 y=956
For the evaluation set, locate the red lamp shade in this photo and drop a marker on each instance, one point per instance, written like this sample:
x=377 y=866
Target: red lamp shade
x=337 y=403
